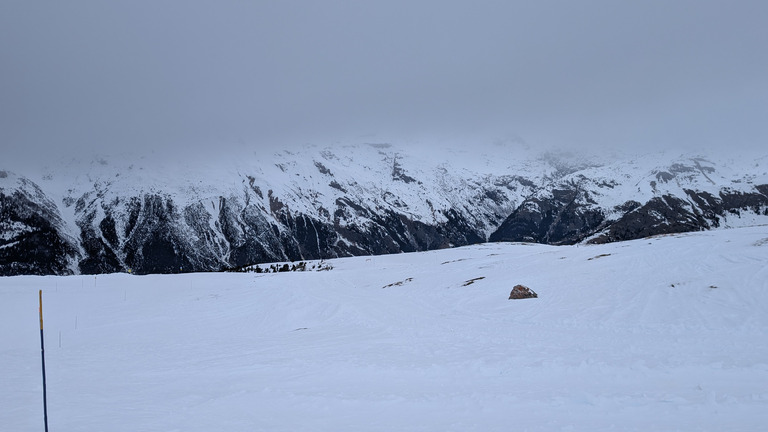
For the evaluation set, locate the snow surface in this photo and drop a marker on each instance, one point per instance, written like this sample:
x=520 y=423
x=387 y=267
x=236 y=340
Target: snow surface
x=665 y=333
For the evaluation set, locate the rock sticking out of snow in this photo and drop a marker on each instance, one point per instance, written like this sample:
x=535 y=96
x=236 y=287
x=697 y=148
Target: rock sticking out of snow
x=522 y=292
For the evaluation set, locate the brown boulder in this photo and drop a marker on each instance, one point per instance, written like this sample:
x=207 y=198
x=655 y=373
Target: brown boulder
x=522 y=292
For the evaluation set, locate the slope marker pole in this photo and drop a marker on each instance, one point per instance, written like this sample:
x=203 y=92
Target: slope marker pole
x=42 y=355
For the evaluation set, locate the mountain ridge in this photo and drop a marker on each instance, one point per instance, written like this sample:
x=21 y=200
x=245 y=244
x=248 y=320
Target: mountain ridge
x=139 y=215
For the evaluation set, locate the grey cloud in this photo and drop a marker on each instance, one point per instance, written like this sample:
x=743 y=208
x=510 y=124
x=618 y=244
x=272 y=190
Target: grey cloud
x=186 y=74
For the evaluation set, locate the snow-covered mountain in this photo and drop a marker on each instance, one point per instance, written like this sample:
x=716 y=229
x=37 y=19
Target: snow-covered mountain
x=136 y=214
x=33 y=237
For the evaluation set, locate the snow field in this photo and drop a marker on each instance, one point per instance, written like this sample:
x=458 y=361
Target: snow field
x=666 y=333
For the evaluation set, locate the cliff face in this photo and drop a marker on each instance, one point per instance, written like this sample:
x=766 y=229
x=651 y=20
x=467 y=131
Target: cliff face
x=567 y=216
x=151 y=233
x=695 y=211
x=600 y=205
x=33 y=237
x=370 y=199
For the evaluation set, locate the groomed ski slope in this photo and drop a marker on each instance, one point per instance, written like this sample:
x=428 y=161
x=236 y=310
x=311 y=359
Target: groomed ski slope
x=665 y=333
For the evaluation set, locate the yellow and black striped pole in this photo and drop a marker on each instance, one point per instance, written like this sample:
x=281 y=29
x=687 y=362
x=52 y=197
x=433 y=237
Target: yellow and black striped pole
x=42 y=354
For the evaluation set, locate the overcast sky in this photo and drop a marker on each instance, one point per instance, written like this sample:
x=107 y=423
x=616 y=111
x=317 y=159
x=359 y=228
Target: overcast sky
x=185 y=75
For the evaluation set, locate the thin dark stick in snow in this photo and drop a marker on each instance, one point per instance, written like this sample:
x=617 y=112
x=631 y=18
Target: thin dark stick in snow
x=42 y=355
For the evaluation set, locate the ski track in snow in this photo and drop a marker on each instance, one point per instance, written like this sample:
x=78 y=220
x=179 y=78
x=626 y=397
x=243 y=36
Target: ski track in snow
x=663 y=333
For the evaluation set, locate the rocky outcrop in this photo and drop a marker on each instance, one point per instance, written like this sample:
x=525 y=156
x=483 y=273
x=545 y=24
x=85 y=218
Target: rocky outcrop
x=522 y=292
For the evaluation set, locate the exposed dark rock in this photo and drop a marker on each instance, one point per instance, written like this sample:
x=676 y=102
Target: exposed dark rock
x=669 y=214
x=334 y=184
x=664 y=176
x=32 y=234
x=566 y=216
x=473 y=280
x=661 y=215
x=323 y=170
x=522 y=292
x=398 y=173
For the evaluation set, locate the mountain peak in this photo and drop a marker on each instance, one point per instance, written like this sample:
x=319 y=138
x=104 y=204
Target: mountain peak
x=152 y=215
